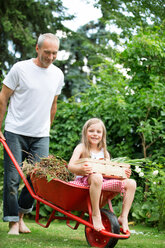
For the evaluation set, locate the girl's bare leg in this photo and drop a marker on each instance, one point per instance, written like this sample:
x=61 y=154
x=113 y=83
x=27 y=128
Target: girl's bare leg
x=95 y=181
x=22 y=227
x=130 y=187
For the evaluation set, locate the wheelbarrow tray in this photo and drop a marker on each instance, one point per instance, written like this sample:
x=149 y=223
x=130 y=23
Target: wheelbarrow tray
x=68 y=196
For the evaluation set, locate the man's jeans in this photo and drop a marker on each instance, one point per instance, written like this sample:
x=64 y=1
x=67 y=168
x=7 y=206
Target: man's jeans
x=22 y=147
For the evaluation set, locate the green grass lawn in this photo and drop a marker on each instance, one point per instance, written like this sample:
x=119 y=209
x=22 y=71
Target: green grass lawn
x=59 y=235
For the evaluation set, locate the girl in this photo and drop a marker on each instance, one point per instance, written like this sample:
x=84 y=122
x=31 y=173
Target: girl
x=94 y=145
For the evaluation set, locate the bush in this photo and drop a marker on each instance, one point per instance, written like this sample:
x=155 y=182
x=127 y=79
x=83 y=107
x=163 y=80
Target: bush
x=149 y=207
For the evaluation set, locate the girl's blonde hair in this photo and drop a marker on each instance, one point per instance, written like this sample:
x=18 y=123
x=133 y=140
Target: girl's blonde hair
x=86 y=145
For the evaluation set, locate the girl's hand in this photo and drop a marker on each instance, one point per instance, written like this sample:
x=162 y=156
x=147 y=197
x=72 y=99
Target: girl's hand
x=86 y=169
x=128 y=173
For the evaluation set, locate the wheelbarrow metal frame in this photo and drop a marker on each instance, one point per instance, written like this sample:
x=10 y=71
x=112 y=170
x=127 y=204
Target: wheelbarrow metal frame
x=68 y=214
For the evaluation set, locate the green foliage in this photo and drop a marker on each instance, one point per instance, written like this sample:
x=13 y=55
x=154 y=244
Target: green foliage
x=144 y=59
x=129 y=15
x=133 y=112
x=88 y=46
x=103 y=100
x=132 y=109
x=149 y=207
x=22 y=22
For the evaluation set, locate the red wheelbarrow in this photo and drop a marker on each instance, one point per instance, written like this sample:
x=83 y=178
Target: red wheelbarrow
x=69 y=199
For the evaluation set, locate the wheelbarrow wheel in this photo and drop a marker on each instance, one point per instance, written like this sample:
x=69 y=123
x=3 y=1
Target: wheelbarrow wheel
x=96 y=239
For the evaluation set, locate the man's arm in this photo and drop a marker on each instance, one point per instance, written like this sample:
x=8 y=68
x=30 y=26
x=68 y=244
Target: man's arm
x=4 y=97
x=53 y=109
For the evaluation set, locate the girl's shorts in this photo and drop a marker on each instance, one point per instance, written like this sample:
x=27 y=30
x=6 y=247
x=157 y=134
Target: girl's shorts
x=113 y=185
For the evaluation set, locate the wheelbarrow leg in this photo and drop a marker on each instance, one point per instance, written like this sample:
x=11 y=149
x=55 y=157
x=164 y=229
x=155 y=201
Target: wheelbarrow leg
x=37 y=216
x=77 y=223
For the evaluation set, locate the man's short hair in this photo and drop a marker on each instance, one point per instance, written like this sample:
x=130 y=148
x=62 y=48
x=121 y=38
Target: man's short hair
x=43 y=37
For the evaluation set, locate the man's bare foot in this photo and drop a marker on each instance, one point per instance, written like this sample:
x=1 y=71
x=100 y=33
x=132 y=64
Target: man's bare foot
x=97 y=223
x=13 y=228
x=124 y=222
x=22 y=227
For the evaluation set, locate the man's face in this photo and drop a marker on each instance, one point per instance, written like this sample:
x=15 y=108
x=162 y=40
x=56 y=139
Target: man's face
x=47 y=53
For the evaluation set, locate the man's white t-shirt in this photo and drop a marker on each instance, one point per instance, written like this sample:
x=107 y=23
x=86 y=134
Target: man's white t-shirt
x=30 y=104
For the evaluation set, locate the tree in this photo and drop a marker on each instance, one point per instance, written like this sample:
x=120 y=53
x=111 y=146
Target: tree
x=132 y=108
x=145 y=58
x=100 y=39
x=133 y=111
x=129 y=16
x=20 y=26
x=22 y=22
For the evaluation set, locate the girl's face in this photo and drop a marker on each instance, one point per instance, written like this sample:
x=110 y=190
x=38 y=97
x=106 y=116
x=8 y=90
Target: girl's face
x=95 y=133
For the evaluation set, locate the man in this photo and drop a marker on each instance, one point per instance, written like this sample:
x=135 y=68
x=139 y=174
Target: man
x=33 y=87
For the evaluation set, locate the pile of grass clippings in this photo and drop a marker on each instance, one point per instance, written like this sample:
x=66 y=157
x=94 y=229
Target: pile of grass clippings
x=51 y=167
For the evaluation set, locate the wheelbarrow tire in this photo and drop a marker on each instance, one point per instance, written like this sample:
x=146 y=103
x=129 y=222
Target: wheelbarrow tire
x=111 y=224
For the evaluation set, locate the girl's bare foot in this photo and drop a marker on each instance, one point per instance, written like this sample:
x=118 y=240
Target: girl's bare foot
x=13 y=228
x=22 y=227
x=97 y=223
x=124 y=222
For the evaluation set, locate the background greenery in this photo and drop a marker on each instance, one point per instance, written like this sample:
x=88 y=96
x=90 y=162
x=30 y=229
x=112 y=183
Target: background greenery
x=124 y=84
